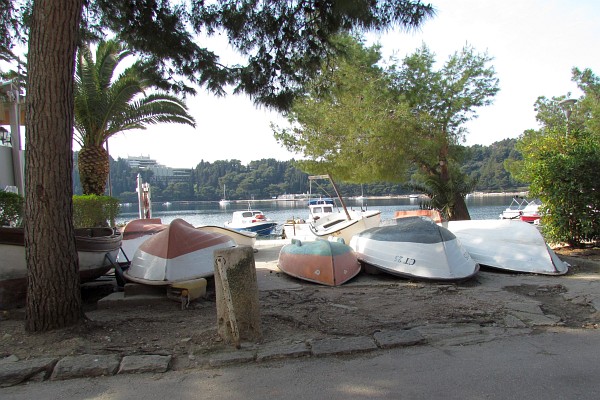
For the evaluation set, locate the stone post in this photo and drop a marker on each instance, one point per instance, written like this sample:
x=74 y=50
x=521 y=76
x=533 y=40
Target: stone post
x=236 y=289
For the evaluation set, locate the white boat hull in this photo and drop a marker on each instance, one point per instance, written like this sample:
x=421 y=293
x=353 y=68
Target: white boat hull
x=415 y=248
x=137 y=232
x=180 y=252
x=97 y=249
x=241 y=238
x=251 y=221
x=335 y=224
x=511 y=245
x=148 y=268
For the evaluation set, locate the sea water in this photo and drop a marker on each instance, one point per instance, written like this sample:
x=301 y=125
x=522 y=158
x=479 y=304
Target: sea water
x=211 y=213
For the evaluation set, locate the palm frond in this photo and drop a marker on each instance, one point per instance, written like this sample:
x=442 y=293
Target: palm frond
x=106 y=104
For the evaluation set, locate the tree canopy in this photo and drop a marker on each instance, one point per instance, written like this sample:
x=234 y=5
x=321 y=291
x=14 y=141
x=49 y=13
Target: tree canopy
x=283 y=43
x=107 y=103
x=363 y=123
x=562 y=162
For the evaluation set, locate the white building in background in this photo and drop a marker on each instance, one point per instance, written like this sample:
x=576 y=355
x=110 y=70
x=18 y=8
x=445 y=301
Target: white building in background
x=140 y=162
x=160 y=173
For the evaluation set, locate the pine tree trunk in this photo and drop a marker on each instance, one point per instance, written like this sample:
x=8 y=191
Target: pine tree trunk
x=460 y=212
x=93 y=169
x=53 y=295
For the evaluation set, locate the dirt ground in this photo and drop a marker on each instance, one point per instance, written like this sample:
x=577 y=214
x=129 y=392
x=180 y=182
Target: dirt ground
x=309 y=311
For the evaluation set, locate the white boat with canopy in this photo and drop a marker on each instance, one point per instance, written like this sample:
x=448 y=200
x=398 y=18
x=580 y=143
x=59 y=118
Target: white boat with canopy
x=325 y=220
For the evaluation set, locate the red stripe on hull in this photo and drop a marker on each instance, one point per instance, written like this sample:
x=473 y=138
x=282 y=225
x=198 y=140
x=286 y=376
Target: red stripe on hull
x=181 y=238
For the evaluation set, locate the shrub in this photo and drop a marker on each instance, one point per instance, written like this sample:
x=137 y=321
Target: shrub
x=93 y=210
x=11 y=209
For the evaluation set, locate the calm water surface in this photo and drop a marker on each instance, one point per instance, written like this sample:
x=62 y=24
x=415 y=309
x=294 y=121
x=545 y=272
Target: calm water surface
x=210 y=213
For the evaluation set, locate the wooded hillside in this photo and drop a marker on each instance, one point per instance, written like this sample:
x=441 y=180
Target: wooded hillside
x=267 y=178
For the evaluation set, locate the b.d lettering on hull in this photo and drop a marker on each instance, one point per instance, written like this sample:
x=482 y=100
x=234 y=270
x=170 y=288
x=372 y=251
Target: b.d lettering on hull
x=414 y=247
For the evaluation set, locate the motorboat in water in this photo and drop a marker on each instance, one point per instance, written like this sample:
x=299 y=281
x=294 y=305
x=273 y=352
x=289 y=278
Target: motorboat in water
x=97 y=249
x=415 y=247
x=178 y=253
x=336 y=224
x=523 y=209
x=328 y=262
x=252 y=221
x=507 y=244
x=325 y=220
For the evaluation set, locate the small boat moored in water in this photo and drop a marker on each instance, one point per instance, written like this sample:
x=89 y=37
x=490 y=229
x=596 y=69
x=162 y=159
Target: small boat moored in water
x=511 y=245
x=415 y=247
x=521 y=208
x=323 y=221
x=251 y=221
x=328 y=262
x=178 y=253
x=224 y=201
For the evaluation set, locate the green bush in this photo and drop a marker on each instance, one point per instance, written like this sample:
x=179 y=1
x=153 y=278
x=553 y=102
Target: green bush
x=11 y=209
x=91 y=210
x=567 y=183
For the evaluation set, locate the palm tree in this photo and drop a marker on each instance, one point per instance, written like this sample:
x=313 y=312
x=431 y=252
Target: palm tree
x=106 y=105
x=447 y=195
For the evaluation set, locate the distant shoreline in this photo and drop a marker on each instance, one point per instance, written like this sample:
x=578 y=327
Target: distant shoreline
x=400 y=196
x=301 y=199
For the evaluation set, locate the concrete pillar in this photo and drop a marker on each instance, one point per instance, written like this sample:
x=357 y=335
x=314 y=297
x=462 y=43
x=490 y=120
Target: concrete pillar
x=236 y=288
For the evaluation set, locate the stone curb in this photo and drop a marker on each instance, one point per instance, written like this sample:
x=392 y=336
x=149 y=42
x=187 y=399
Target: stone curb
x=14 y=372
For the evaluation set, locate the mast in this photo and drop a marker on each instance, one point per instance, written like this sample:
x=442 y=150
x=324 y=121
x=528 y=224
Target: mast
x=313 y=177
x=339 y=197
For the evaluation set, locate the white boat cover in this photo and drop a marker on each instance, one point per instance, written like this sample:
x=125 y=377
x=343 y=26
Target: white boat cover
x=415 y=247
x=507 y=244
x=180 y=252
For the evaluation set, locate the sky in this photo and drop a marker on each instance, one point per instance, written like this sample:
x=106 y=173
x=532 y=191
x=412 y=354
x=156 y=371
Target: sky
x=534 y=45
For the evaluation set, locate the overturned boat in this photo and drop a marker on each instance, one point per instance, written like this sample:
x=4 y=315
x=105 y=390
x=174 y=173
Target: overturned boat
x=241 y=238
x=328 y=262
x=511 y=245
x=136 y=232
x=415 y=247
x=178 y=253
x=97 y=249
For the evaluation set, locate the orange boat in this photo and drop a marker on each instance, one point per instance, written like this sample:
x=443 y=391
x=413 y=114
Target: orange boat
x=326 y=262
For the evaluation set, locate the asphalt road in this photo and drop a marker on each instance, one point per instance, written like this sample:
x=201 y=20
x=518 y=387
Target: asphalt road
x=560 y=365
